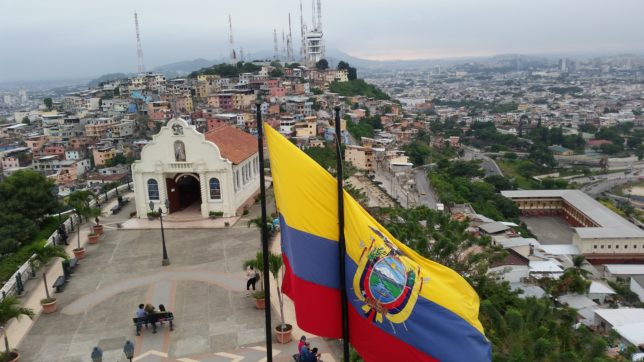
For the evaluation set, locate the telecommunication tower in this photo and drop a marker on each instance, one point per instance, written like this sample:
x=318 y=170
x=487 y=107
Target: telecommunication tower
x=276 y=54
x=289 y=41
x=302 y=34
x=233 y=55
x=139 y=48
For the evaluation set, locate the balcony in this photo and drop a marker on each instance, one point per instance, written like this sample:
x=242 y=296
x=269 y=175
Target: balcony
x=179 y=166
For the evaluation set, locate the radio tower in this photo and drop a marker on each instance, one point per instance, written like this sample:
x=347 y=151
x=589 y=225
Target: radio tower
x=318 y=12
x=276 y=54
x=233 y=55
x=139 y=49
x=283 y=44
x=302 y=34
x=289 y=41
x=318 y=27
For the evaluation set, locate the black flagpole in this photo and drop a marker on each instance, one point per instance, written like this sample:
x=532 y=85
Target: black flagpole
x=341 y=244
x=266 y=272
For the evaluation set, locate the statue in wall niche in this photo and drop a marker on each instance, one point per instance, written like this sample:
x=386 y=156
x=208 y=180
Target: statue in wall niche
x=177 y=130
x=179 y=151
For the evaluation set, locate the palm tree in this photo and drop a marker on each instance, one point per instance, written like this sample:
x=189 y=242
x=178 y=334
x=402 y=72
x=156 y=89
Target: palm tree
x=44 y=253
x=275 y=265
x=79 y=201
x=577 y=265
x=9 y=309
x=257 y=222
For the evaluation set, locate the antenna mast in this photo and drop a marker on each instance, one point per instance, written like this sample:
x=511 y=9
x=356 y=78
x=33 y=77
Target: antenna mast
x=276 y=54
x=289 y=41
x=302 y=34
x=233 y=55
x=283 y=44
x=318 y=12
x=319 y=29
x=139 y=49
x=313 y=27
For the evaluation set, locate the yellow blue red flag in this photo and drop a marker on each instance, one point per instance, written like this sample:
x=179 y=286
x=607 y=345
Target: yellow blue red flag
x=402 y=307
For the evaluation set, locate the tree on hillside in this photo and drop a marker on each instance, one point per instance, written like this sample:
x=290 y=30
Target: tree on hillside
x=119 y=159
x=322 y=64
x=276 y=72
x=26 y=120
x=48 y=103
x=28 y=193
x=352 y=72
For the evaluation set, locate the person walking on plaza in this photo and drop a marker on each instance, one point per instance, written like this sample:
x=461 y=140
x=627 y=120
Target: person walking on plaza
x=251 y=276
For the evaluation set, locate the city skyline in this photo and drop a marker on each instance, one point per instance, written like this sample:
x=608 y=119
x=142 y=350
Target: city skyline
x=77 y=39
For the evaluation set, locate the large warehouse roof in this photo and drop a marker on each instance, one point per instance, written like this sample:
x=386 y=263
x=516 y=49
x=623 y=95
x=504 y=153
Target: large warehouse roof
x=611 y=224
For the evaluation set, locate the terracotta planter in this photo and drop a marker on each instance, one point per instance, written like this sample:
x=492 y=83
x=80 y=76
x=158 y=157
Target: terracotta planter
x=48 y=308
x=283 y=335
x=260 y=303
x=79 y=253
x=15 y=356
x=98 y=229
x=92 y=239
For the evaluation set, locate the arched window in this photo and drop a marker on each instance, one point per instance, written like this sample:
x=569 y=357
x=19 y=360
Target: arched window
x=179 y=151
x=215 y=189
x=153 y=189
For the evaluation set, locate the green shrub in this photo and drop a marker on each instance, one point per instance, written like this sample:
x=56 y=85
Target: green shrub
x=10 y=264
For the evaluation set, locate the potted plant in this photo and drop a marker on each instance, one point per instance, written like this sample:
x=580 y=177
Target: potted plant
x=79 y=201
x=283 y=330
x=92 y=238
x=10 y=308
x=258 y=265
x=153 y=215
x=98 y=228
x=42 y=255
x=48 y=304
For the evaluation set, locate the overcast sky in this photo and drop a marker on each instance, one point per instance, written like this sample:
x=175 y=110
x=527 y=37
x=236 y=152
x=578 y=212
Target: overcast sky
x=47 y=39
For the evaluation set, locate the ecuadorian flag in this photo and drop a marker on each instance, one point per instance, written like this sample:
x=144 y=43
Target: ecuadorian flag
x=402 y=307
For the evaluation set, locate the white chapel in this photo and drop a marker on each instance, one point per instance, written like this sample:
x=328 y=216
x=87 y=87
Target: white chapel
x=197 y=173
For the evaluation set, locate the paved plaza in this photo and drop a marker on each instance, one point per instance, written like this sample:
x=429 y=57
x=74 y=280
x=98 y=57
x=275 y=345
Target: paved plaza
x=549 y=229
x=215 y=319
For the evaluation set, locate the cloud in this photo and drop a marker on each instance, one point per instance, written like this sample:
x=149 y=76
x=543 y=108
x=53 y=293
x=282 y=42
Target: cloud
x=75 y=38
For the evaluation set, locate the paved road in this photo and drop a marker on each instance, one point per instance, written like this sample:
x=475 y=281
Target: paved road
x=427 y=196
x=602 y=183
x=487 y=164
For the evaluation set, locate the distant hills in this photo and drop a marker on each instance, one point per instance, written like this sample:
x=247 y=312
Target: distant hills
x=185 y=67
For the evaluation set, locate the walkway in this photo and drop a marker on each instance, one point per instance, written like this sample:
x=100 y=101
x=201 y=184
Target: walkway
x=204 y=287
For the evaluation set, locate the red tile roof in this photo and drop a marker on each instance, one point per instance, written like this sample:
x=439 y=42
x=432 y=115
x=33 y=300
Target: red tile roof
x=234 y=144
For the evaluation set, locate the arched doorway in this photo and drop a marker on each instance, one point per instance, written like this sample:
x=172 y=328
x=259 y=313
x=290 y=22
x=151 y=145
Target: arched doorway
x=184 y=192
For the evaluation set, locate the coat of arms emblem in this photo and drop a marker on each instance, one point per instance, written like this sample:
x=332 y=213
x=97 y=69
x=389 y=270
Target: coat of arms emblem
x=387 y=282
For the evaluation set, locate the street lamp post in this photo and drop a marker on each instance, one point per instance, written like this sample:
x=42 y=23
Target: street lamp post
x=166 y=260
x=128 y=349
